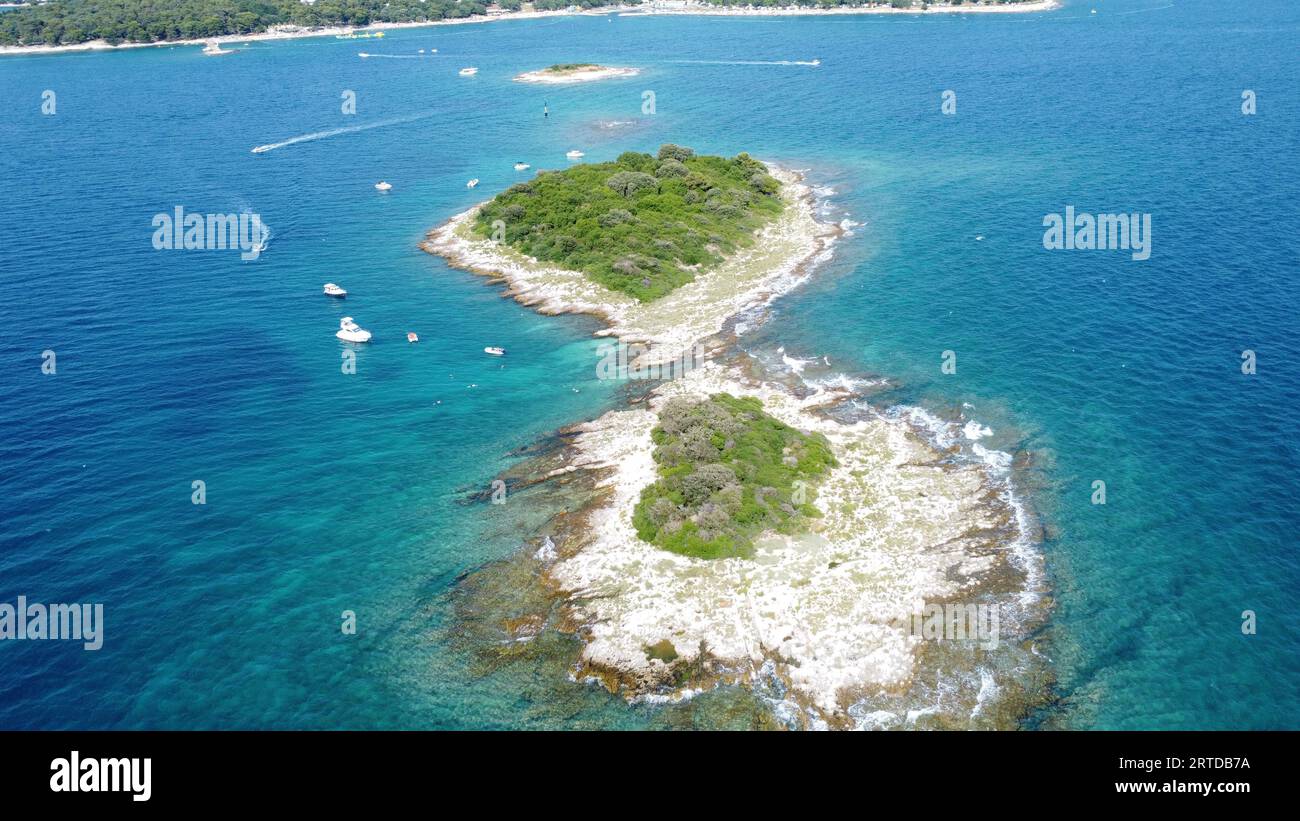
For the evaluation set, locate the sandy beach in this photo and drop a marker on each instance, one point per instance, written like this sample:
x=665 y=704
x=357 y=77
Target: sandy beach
x=293 y=32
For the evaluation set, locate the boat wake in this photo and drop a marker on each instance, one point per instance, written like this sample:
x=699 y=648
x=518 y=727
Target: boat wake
x=334 y=132
x=749 y=62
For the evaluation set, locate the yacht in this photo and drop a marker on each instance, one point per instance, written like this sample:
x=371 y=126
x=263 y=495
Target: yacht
x=214 y=49
x=522 y=166
x=495 y=351
x=383 y=186
x=468 y=72
x=350 y=331
x=333 y=290
x=472 y=183
x=574 y=154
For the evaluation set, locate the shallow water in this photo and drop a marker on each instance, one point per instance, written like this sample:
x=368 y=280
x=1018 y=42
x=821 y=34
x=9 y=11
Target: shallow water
x=328 y=492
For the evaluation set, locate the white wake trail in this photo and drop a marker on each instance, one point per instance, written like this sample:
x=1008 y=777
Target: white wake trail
x=334 y=132
x=749 y=62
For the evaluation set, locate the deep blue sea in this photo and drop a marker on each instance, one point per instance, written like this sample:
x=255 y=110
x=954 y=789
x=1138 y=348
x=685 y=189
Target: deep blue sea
x=328 y=492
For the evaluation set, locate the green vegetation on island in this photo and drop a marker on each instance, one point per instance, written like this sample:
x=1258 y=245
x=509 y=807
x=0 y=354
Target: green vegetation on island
x=565 y=68
x=67 y=22
x=643 y=224
x=64 y=22
x=727 y=472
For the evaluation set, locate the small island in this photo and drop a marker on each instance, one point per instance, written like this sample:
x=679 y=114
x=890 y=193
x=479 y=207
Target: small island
x=565 y=73
x=642 y=225
x=665 y=248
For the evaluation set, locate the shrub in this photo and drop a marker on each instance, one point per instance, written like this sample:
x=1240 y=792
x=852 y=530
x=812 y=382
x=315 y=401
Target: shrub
x=628 y=183
x=681 y=153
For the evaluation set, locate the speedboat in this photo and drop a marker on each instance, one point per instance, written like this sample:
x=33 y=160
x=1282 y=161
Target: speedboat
x=468 y=71
x=574 y=154
x=350 y=331
x=333 y=290
x=522 y=166
x=495 y=351
x=472 y=183
x=411 y=337
x=383 y=186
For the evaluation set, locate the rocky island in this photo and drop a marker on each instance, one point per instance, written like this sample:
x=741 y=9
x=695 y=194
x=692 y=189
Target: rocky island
x=566 y=73
x=741 y=525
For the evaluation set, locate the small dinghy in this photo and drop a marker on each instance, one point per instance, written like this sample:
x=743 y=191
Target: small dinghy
x=383 y=186
x=411 y=337
x=495 y=351
x=333 y=290
x=350 y=331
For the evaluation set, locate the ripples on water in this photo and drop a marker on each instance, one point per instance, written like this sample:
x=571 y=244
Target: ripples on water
x=329 y=492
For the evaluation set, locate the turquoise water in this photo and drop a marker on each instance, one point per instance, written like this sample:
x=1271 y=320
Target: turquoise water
x=328 y=492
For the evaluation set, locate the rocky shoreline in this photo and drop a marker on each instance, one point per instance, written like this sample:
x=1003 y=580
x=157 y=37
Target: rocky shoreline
x=819 y=626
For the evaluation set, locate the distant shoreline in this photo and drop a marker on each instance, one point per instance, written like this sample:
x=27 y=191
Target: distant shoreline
x=647 y=10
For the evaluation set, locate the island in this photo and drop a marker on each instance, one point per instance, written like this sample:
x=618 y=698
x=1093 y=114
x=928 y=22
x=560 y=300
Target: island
x=633 y=246
x=641 y=225
x=741 y=523
x=566 y=73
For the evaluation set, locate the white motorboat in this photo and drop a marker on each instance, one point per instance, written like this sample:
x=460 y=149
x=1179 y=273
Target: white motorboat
x=383 y=186
x=214 y=49
x=522 y=166
x=350 y=331
x=574 y=154
x=333 y=290
x=468 y=71
x=472 y=183
x=495 y=351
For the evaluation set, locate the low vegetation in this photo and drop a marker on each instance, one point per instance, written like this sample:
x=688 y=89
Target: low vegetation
x=727 y=473
x=565 y=68
x=644 y=224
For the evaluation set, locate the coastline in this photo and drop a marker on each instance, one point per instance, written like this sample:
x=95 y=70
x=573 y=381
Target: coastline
x=815 y=625
x=649 y=9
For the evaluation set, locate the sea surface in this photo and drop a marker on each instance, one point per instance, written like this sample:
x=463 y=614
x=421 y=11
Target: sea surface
x=328 y=491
